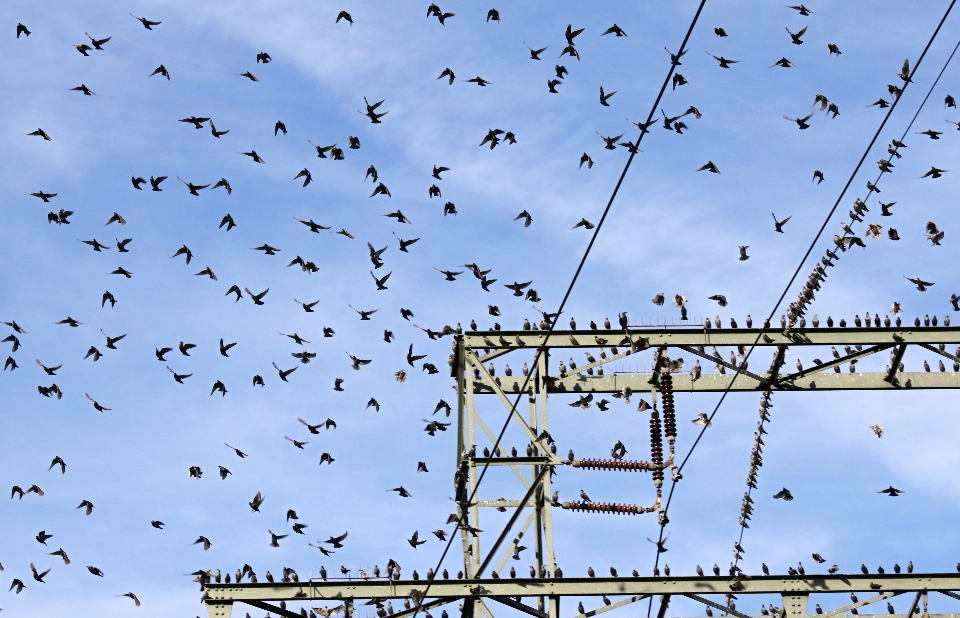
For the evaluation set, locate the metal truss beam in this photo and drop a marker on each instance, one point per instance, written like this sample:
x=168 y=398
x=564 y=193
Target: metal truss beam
x=672 y=337
x=712 y=383
x=340 y=590
x=691 y=341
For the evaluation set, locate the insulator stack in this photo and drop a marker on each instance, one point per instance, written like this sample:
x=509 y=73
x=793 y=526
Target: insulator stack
x=604 y=507
x=656 y=448
x=612 y=464
x=669 y=416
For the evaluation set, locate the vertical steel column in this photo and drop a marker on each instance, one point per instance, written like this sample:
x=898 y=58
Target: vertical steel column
x=538 y=504
x=541 y=384
x=470 y=563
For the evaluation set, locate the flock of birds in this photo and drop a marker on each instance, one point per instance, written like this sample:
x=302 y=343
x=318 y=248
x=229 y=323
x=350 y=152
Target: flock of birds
x=375 y=113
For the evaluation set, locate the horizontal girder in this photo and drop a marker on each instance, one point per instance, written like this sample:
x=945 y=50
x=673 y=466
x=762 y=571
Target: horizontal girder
x=711 y=383
x=340 y=589
x=656 y=337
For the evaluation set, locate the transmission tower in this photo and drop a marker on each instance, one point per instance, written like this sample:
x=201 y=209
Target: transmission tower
x=485 y=550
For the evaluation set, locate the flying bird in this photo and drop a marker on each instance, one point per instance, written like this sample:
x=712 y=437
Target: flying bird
x=934 y=172
x=448 y=73
x=779 y=224
x=795 y=37
x=146 y=22
x=724 y=62
x=132 y=596
x=801 y=122
x=920 y=283
x=605 y=96
x=162 y=71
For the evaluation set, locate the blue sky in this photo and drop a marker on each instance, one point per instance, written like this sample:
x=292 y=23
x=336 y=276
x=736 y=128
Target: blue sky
x=672 y=230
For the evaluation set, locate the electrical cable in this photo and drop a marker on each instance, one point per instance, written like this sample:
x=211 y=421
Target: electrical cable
x=540 y=350
x=882 y=172
x=806 y=255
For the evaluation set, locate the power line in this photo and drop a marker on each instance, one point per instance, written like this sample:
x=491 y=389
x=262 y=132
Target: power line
x=552 y=323
x=879 y=176
x=803 y=261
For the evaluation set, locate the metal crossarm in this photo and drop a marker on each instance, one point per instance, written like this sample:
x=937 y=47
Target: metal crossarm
x=219 y=598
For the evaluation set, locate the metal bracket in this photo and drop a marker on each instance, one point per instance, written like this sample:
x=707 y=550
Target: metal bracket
x=220 y=610
x=795 y=605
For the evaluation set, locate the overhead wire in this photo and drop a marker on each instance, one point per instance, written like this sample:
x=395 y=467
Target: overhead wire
x=856 y=170
x=634 y=149
x=882 y=172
